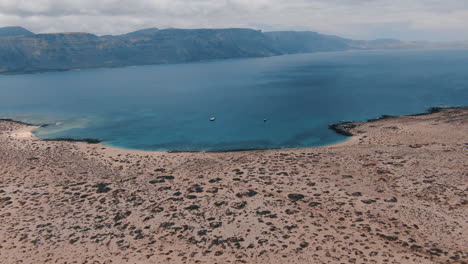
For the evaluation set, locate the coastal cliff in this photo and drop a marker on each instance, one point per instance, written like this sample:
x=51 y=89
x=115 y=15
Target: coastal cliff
x=22 y=51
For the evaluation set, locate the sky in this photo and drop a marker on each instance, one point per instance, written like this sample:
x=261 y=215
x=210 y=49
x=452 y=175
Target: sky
x=435 y=20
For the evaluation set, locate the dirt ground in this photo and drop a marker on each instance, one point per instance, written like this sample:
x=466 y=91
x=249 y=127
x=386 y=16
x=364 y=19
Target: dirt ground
x=395 y=192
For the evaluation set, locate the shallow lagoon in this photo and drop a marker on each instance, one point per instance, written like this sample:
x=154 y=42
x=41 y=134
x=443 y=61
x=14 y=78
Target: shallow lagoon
x=167 y=107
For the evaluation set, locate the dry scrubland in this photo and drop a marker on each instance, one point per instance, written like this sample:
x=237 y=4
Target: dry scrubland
x=396 y=192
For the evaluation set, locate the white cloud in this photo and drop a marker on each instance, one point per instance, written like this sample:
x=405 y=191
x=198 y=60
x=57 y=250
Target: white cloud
x=435 y=19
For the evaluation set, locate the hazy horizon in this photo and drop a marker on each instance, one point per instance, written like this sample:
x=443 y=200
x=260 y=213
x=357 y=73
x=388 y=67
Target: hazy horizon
x=357 y=19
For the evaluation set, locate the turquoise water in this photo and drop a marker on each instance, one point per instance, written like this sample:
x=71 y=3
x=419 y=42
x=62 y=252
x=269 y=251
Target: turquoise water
x=167 y=107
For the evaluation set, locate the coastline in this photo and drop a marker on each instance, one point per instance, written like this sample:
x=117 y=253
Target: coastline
x=172 y=63
x=393 y=192
x=342 y=128
x=43 y=71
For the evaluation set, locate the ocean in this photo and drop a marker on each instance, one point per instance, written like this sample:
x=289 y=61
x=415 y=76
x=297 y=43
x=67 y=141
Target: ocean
x=259 y=103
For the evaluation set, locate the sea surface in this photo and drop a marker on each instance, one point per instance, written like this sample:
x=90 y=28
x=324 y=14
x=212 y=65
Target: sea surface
x=260 y=103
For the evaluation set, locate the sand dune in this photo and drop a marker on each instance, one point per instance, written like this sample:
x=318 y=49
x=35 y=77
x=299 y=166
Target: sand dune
x=396 y=192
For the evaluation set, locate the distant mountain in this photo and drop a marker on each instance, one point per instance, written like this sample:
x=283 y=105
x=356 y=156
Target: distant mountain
x=14 y=32
x=384 y=44
x=290 y=42
x=24 y=52
x=49 y=52
x=143 y=33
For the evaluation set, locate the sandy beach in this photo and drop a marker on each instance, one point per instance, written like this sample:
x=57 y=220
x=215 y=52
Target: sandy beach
x=395 y=192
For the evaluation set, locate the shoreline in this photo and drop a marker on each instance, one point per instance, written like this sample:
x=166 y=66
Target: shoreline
x=395 y=192
x=44 y=71
x=342 y=128
x=173 y=63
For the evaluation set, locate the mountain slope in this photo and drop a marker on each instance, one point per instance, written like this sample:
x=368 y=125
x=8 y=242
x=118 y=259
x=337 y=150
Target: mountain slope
x=14 y=31
x=147 y=32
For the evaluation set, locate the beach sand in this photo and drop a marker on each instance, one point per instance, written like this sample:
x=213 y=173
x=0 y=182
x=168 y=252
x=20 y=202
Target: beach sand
x=396 y=192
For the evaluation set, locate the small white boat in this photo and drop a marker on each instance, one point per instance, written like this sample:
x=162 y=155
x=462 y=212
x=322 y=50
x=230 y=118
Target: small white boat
x=213 y=118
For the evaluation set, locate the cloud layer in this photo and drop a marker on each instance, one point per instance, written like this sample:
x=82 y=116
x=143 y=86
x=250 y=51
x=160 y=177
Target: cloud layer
x=362 y=19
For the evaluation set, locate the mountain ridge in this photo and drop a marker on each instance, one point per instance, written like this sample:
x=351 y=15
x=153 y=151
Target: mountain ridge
x=22 y=51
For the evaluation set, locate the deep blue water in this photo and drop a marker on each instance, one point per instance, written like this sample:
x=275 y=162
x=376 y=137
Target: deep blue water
x=167 y=107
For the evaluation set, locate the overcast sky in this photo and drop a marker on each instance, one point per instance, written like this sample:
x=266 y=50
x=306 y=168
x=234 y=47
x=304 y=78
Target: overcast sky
x=359 y=19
